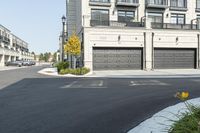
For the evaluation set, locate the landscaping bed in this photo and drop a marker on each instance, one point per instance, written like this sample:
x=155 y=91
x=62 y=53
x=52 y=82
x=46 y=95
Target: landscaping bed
x=63 y=69
x=189 y=122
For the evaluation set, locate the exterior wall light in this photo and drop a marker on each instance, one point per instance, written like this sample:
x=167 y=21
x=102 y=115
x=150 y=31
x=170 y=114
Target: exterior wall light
x=119 y=38
x=113 y=12
x=176 y=39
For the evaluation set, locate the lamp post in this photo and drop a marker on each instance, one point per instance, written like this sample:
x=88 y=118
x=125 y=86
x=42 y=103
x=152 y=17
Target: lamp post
x=63 y=37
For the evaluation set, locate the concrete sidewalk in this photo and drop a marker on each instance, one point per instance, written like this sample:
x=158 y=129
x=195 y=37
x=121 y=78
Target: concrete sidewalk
x=148 y=74
x=167 y=73
x=6 y=68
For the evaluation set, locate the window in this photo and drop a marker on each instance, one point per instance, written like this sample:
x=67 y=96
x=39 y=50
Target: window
x=179 y=3
x=100 y=17
x=126 y=16
x=198 y=4
x=158 y=2
x=128 y=1
x=101 y=1
x=155 y=17
x=177 y=18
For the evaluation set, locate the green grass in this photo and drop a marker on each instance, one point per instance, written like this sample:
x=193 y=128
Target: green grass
x=189 y=122
x=77 y=71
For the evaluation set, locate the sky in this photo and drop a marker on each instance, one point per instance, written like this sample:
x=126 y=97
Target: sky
x=37 y=22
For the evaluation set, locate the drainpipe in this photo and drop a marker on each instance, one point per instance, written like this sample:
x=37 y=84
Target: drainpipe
x=144 y=53
x=153 y=51
x=141 y=20
x=198 y=64
x=193 y=23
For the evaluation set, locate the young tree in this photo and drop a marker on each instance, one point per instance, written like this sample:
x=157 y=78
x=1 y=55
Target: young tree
x=46 y=56
x=55 y=57
x=73 y=47
x=41 y=57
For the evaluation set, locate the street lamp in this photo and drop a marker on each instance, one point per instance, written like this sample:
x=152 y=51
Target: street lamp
x=63 y=36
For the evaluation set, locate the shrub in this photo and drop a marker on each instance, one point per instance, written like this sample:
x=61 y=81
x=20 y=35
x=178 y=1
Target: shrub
x=189 y=123
x=64 y=71
x=62 y=65
x=78 y=71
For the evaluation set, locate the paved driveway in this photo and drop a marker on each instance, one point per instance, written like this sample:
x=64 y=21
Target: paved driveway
x=41 y=104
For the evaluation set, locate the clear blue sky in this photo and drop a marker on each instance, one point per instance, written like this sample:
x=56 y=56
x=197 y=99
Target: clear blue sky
x=37 y=22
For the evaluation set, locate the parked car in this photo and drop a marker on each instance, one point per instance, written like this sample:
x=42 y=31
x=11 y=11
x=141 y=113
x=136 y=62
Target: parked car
x=14 y=63
x=26 y=63
x=32 y=62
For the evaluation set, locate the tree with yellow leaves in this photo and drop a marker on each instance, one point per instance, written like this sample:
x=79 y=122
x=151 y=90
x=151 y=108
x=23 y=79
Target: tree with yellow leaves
x=73 y=47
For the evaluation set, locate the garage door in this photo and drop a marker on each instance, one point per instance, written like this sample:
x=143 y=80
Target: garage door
x=117 y=58
x=174 y=58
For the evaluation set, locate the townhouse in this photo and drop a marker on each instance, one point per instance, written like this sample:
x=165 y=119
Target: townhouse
x=12 y=47
x=136 y=34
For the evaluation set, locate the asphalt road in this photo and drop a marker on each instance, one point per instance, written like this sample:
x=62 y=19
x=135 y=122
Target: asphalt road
x=33 y=103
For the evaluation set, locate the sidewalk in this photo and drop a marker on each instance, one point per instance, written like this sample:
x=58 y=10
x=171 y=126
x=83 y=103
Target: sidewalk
x=148 y=74
x=167 y=73
x=6 y=68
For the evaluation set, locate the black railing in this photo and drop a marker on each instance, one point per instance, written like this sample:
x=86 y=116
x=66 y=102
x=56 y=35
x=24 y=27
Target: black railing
x=6 y=40
x=116 y=23
x=198 y=9
x=174 y=26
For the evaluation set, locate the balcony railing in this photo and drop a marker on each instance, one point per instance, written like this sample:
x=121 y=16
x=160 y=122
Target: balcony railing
x=115 y=23
x=6 y=40
x=100 y=3
x=198 y=9
x=157 y=3
x=174 y=26
x=133 y=3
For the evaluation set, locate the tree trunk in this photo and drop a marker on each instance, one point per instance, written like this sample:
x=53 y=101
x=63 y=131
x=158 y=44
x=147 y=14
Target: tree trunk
x=74 y=66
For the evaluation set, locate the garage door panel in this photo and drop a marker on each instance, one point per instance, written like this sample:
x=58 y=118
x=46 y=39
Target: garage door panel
x=174 y=58
x=117 y=58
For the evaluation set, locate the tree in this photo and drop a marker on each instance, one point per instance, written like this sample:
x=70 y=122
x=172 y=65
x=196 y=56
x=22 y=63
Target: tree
x=41 y=57
x=55 y=57
x=47 y=56
x=73 y=47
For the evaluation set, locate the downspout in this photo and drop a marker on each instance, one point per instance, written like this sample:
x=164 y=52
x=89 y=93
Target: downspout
x=198 y=64
x=192 y=23
x=153 y=51
x=144 y=53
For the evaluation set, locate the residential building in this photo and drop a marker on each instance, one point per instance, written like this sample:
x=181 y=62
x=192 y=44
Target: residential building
x=12 y=47
x=136 y=34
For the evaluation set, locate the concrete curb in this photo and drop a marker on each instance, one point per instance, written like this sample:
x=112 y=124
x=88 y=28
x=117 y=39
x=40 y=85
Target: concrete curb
x=147 y=76
x=51 y=72
x=161 y=120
